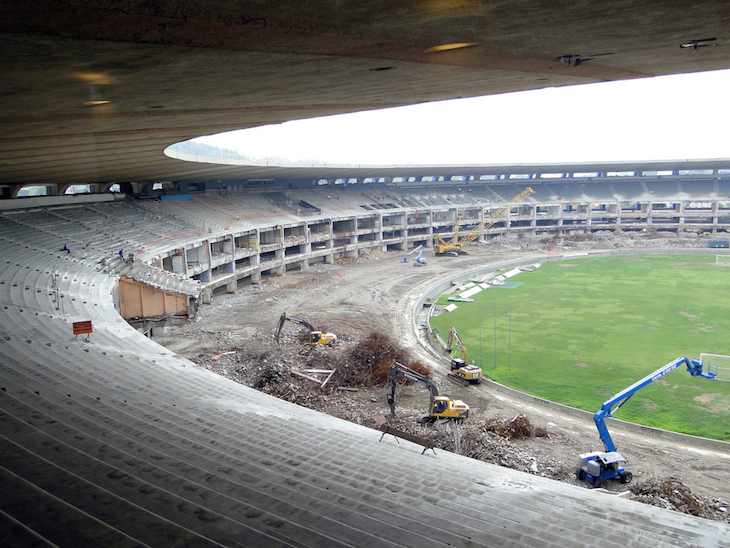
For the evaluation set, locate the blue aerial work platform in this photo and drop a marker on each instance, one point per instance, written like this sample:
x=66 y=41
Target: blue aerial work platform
x=600 y=466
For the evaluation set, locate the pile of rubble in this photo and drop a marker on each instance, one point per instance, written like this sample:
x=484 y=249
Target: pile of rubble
x=504 y=441
x=518 y=427
x=479 y=442
x=672 y=494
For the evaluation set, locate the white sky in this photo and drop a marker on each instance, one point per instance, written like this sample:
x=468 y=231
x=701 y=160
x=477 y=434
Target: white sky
x=665 y=118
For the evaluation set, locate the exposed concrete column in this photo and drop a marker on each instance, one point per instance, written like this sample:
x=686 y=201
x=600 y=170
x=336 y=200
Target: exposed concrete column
x=354 y=238
x=209 y=259
x=305 y=265
x=307 y=240
x=229 y=246
x=231 y=286
x=378 y=220
x=715 y=213
x=429 y=241
x=681 y=212
x=482 y=224
x=650 y=213
x=179 y=264
x=329 y=259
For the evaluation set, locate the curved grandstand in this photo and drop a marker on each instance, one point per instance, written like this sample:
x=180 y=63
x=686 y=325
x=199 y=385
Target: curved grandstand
x=113 y=440
x=110 y=439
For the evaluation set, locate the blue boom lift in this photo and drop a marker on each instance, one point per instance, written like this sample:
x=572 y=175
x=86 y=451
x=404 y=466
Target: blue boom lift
x=600 y=466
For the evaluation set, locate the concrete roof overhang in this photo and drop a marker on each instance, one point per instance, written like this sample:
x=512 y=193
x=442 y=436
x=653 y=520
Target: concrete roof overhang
x=173 y=70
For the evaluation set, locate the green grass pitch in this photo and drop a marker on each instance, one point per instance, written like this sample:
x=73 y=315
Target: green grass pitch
x=578 y=331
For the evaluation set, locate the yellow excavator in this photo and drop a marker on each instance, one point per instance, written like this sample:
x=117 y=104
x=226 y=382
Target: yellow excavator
x=440 y=407
x=315 y=337
x=456 y=245
x=461 y=369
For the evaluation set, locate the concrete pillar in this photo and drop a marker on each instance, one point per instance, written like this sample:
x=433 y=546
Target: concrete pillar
x=305 y=265
x=208 y=258
x=179 y=264
x=231 y=286
x=256 y=277
x=329 y=259
x=229 y=246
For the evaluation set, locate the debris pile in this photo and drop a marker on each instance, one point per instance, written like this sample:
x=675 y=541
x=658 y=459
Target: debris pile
x=672 y=494
x=369 y=361
x=478 y=442
x=518 y=427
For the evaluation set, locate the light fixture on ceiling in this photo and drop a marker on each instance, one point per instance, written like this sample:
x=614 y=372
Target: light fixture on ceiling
x=699 y=43
x=96 y=102
x=450 y=46
x=97 y=78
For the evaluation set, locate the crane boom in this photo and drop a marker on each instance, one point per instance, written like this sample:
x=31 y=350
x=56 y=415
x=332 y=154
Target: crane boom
x=694 y=368
x=498 y=215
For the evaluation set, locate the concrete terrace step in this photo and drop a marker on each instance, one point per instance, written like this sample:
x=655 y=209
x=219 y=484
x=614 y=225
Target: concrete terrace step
x=119 y=442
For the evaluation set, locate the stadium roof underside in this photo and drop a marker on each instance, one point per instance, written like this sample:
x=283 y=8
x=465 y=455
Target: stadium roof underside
x=95 y=92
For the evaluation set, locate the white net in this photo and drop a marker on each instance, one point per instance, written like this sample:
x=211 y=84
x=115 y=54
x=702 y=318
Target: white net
x=719 y=364
x=722 y=260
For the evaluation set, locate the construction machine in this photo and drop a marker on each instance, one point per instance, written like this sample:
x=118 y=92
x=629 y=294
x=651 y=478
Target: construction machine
x=315 y=337
x=502 y=213
x=419 y=261
x=452 y=248
x=440 y=407
x=600 y=466
x=456 y=245
x=461 y=369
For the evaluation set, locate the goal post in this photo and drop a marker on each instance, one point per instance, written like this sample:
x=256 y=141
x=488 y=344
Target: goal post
x=719 y=364
x=722 y=260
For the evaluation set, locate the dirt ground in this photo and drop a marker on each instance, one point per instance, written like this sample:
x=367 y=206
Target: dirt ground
x=377 y=293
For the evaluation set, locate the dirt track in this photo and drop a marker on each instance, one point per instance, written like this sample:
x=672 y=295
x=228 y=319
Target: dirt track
x=374 y=294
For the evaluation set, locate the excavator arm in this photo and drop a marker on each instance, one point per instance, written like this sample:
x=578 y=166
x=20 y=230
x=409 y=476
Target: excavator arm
x=284 y=318
x=454 y=337
x=398 y=372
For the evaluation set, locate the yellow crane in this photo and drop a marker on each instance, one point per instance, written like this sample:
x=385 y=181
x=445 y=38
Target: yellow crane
x=461 y=369
x=456 y=245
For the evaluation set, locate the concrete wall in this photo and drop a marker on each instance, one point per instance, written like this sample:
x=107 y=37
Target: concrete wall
x=137 y=300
